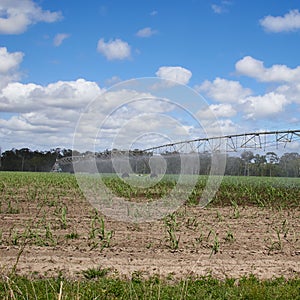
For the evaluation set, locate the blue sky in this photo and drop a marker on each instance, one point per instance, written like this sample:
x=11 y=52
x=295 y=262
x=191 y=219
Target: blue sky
x=58 y=55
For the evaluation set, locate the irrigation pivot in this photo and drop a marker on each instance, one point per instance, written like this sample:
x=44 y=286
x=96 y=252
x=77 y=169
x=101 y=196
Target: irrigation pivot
x=230 y=143
x=226 y=143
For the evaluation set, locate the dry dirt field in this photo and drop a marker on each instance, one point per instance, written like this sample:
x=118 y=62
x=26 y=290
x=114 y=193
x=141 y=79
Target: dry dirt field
x=67 y=237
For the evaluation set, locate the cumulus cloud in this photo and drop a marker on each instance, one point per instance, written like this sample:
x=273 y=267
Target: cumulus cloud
x=44 y=115
x=264 y=106
x=289 y=22
x=276 y=101
x=9 y=61
x=177 y=74
x=223 y=90
x=9 y=64
x=19 y=98
x=48 y=115
x=219 y=127
x=114 y=49
x=146 y=32
x=222 y=110
x=59 y=38
x=252 y=67
x=16 y=15
x=291 y=91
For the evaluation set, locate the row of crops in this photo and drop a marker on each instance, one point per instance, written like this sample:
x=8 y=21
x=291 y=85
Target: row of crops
x=260 y=191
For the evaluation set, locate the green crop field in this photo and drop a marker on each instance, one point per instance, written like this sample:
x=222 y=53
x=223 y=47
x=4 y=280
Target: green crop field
x=54 y=245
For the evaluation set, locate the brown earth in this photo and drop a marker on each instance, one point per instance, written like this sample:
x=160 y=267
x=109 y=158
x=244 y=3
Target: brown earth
x=218 y=241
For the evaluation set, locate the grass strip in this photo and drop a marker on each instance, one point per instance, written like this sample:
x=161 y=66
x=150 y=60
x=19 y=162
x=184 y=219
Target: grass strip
x=153 y=288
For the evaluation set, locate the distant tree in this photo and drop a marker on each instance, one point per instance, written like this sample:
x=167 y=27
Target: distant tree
x=247 y=157
x=290 y=164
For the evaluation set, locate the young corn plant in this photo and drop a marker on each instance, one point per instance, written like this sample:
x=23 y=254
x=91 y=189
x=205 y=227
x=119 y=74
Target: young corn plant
x=277 y=245
x=63 y=218
x=98 y=234
x=236 y=211
x=215 y=247
x=171 y=227
x=49 y=238
x=199 y=239
x=274 y=245
x=229 y=236
x=192 y=223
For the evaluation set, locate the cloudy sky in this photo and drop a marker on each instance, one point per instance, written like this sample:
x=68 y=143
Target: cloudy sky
x=56 y=56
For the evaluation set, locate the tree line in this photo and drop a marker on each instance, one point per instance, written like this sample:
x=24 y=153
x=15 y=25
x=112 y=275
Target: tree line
x=245 y=164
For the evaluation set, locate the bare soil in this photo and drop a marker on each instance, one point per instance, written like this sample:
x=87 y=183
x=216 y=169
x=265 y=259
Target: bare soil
x=218 y=241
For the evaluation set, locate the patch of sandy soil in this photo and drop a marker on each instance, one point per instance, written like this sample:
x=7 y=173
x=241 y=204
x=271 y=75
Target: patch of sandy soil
x=219 y=241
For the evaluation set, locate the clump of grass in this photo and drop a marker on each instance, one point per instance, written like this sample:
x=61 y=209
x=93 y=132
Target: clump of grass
x=93 y=273
x=229 y=236
x=72 y=236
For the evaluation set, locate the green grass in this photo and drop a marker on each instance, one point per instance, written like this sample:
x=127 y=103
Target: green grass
x=153 y=288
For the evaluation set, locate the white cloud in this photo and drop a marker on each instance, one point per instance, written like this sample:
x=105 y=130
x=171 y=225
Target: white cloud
x=177 y=74
x=113 y=80
x=221 y=8
x=289 y=22
x=252 y=67
x=223 y=90
x=114 y=49
x=264 y=106
x=217 y=8
x=47 y=116
x=219 y=127
x=19 y=98
x=9 y=61
x=16 y=15
x=9 y=64
x=146 y=32
x=291 y=91
x=59 y=38
x=222 y=110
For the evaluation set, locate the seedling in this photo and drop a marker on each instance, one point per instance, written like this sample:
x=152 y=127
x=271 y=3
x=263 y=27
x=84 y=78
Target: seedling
x=275 y=245
x=199 y=239
x=72 y=235
x=215 y=248
x=171 y=226
x=229 y=236
x=236 y=211
x=219 y=216
x=63 y=218
x=192 y=223
x=98 y=235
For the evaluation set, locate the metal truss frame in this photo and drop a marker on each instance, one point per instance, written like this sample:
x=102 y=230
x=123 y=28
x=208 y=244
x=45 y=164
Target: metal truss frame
x=226 y=143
